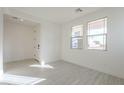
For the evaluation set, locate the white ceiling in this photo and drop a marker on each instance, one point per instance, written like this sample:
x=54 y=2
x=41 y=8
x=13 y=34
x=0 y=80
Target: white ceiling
x=8 y=18
x=57 y=14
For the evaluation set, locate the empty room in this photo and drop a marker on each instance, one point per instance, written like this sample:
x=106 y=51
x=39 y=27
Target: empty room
x=61 y=46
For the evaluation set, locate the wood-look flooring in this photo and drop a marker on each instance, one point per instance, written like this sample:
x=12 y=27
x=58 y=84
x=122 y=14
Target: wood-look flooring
x=60 y=73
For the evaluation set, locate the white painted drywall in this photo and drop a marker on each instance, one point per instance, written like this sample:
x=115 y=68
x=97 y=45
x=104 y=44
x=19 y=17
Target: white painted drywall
x=37 y=39
x=110 y=61
x=1 y=42
x=50 y=35
x=18 y=41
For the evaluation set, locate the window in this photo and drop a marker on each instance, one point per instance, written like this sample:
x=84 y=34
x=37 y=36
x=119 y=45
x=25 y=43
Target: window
x=97 y=34
x=76 y=37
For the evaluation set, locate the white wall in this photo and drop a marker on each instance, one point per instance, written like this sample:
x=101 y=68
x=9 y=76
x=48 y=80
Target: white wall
x=1 y=41
x=110 y=61
x=18 y=41
x=37 y=40
x=50 y=35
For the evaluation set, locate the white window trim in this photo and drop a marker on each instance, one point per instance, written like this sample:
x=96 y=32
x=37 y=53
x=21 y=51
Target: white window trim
x=77 y=36
x=106 y=34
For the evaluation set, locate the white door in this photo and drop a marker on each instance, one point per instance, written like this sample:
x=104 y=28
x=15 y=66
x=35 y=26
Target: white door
x=36 y=44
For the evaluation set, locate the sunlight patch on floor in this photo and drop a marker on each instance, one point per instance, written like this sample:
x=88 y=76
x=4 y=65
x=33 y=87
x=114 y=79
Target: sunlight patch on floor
x=20 y=80
x=42 y=66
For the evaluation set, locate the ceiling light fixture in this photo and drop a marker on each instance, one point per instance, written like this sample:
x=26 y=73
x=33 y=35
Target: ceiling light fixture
x=15 y=18
x=78 y=10
x=18 y=19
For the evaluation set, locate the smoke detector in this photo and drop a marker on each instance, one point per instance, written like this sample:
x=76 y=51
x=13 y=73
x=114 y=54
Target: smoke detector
x=21 y=19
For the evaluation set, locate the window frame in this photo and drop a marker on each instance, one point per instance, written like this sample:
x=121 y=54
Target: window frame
x=104 y=34
x=77 y=36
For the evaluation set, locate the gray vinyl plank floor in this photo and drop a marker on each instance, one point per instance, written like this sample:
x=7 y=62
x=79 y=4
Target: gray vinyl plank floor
x=58 y=73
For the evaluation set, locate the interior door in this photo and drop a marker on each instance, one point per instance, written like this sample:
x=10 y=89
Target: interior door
x=37 y=44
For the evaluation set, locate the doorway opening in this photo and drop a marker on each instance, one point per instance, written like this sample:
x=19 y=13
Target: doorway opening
x=21 y=39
